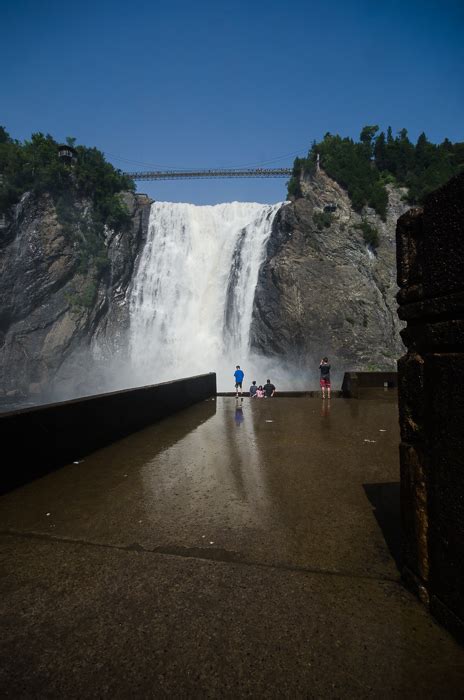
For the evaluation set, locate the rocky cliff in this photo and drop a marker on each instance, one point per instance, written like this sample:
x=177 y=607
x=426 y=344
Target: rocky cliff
x=323 y=290
x=55 y=302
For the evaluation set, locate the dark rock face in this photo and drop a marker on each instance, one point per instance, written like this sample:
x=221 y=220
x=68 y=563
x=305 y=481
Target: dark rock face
x=322 y=290
x=45 y=336
x=431 y=401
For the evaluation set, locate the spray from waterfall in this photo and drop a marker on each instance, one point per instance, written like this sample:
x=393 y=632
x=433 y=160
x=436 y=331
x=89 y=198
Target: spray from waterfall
x=191 y=300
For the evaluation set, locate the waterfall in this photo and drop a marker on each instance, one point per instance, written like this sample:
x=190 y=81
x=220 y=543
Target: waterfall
x=191 y=300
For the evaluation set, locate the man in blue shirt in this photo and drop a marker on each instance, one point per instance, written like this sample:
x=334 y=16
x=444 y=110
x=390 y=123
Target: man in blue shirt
x=238 y=374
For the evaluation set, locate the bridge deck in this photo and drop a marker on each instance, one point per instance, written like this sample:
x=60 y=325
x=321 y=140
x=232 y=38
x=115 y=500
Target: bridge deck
x=234 y=549
x=208 y=174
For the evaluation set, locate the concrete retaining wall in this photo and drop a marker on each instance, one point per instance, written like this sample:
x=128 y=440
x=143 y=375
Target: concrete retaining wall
x=430 y=250
x=285 y=394
x=354 y=381
x=46 y=437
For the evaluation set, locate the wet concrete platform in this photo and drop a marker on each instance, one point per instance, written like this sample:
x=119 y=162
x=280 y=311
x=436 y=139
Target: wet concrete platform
x=235 y=549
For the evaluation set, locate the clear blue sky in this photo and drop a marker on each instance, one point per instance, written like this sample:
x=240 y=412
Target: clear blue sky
x=186 y=84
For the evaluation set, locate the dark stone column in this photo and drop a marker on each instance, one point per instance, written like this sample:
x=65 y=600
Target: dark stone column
x=430 y=258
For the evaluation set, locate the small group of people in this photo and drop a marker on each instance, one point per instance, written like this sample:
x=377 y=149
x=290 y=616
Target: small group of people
x=262 y=392
x=268 y=390
x=256 y=392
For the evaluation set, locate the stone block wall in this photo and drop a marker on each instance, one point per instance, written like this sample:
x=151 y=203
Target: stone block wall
x=430 y=263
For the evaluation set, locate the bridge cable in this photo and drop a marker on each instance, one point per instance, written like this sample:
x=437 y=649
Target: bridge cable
x=171 y=167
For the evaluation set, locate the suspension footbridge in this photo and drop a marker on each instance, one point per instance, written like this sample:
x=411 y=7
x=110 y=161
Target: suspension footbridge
x=209 y=174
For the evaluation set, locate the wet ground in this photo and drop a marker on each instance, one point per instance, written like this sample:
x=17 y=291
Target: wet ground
x=240 y=548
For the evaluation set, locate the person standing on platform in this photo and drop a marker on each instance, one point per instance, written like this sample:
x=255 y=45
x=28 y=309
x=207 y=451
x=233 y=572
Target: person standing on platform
x=325 y=376
x=238 y=374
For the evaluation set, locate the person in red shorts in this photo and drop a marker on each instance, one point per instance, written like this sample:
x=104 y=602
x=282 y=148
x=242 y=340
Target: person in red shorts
x=325 y=376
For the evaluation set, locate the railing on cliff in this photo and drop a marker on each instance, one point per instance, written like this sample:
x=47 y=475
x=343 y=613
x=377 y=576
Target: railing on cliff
x=206 y=174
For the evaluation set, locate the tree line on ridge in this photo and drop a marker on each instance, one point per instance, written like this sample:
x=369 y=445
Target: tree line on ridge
x=364 y=167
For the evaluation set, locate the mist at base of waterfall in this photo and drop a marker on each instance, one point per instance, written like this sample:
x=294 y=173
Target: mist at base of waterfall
x=191 y=306
x=256 y=367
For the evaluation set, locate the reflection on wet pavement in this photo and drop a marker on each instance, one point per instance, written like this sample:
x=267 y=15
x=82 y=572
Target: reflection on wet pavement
x=238 y=548
x=239 y=411
x=270 y=480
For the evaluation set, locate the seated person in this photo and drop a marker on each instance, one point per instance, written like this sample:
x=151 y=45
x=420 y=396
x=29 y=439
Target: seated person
x=253 y=390
x=269 y=389
x=260 y=392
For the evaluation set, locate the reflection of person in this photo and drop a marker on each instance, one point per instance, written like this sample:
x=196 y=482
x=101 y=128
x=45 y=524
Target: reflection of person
x=325 y=410
x=239 y=414
x=325 y=376
x=253 y=389
x=238 y=374
x=260 y=392
x=269 y=389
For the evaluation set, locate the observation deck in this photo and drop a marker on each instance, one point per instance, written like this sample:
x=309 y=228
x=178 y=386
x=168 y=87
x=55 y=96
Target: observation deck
x=235 y=548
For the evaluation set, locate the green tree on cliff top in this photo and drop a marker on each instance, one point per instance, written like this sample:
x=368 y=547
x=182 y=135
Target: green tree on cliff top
x=34 y=166
x=364 y=167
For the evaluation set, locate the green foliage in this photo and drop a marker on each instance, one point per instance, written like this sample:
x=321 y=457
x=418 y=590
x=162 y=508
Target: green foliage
x=34 y=166
x=378 y=198
x=85 y=298
x=350 y=164
x=368 y=133
x=100 y=182
x=293 y=185
x=387 y=178
x=370 y=234
x=421 y=167
x=322 y=219
x=92 y=252
x=366 y=137
x=4 y=135
x=364 y=168
x=293 y=188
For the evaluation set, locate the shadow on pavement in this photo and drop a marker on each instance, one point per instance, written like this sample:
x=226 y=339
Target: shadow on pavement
x=385 y=501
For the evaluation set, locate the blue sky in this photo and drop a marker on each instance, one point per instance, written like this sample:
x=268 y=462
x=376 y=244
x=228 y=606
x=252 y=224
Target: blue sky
x=205 y=84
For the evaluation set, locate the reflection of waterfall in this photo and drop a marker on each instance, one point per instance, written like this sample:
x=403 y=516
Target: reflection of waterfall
x=192 y=298
x=221 y=490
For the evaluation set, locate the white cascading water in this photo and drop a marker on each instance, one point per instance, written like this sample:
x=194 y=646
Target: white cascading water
x=191 y=301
